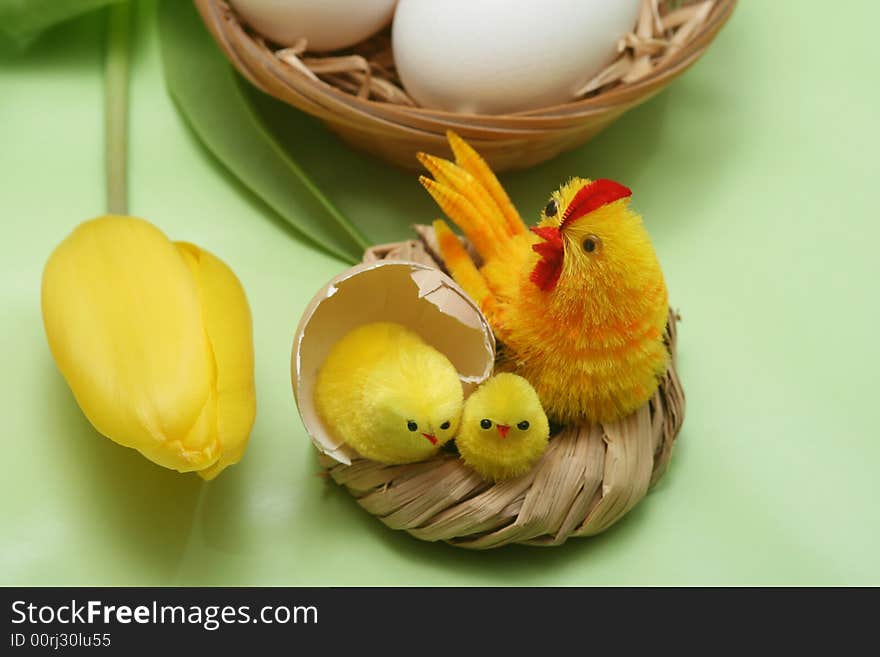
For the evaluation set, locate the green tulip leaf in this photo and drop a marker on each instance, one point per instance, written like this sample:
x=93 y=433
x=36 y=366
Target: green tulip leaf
x=208 y=94
x=21 y=21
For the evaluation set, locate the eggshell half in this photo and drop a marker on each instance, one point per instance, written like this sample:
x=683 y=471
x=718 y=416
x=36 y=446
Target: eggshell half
x=420 y=297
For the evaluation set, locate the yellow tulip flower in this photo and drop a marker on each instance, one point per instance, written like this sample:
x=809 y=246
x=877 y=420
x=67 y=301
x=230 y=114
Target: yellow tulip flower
x=154 y=339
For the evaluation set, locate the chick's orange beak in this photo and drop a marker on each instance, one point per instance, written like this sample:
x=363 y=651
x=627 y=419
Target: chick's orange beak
x=431 y=437
x=502 y=430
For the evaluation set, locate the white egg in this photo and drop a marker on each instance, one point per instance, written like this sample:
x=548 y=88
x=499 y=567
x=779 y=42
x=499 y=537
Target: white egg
x=327 y=24
x=499 y=56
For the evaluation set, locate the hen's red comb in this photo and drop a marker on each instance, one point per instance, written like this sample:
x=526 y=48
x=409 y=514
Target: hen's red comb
x=591 y=197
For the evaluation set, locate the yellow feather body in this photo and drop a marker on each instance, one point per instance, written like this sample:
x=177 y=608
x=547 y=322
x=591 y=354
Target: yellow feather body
x=593 y=346
x=378 y=381
x=508 y=400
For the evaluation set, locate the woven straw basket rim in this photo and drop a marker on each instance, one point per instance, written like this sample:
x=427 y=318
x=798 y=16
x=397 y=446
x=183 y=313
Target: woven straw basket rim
x=342 y=89
x=588 y=479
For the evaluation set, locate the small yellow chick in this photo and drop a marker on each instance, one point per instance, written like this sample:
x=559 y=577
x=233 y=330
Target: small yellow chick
x=388 y=394
x=504 y=430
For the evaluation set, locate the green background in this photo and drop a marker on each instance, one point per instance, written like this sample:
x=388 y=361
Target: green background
x=757 y=175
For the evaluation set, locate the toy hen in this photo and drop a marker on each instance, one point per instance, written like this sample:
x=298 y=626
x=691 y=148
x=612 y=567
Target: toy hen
x=578 y=302
x=388 y=394
x=504 y=430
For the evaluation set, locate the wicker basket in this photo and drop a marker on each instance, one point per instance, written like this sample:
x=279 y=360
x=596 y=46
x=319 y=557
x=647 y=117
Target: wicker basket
x=357 y=94
x=588 y=478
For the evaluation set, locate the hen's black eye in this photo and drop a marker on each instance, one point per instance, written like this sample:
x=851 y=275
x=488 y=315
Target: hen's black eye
x=522 y=426
x=486 y=424
x=412 y=426
x=551 y=209
x=445 y=425
x=591 y=243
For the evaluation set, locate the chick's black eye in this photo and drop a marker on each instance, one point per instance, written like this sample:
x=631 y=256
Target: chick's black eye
x=551 y=209
x=522 y=426
x=445 y=425
x=591 y=243
x=412 y=426
x=486 y=424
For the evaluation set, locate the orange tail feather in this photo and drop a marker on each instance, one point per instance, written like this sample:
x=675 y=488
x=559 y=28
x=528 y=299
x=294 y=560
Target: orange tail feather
x=450 y=174
x=460 y=265
x=484 y=235
x=469 y=160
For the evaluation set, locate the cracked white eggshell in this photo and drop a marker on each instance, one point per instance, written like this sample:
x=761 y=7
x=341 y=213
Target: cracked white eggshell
x=326 y=24
x=420 y=297
x=501 y=56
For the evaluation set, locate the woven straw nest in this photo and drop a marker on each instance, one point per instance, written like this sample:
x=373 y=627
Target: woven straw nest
x=588 y=478
x=358 y=95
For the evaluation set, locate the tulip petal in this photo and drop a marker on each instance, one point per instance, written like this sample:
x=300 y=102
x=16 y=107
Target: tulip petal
x=227 y=319
x=124 y=322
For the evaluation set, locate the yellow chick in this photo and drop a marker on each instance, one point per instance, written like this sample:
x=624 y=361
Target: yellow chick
x=388 y=394
x=504 y=430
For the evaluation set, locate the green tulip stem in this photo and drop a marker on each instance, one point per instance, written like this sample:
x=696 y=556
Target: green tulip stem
x=116 y=70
